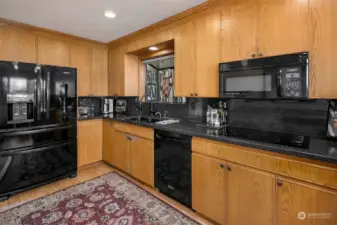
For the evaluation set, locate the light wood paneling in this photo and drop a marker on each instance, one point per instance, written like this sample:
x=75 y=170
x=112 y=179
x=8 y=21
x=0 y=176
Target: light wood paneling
x=207 y=55
x=89 y=142
x=108 y=144
x=121 y=152
x=185 y=59
x=209 y=187
x=99 y=72
x=134 y=130
x=318 y=205
x=141 y=79
x=53 y=51
x=142 y=160
x=80 y=58
x=271 y=162
x=238 y=30
x=17 y=45
x=323 y=49
x=131 y=75
x=283 y=26
x=251 y=196
x=116 y=72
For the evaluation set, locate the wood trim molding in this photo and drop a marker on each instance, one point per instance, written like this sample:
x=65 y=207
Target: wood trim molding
x=164 y=22
x=50 y=33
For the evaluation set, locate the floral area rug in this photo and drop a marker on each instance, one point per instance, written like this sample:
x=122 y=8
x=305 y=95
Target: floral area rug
x=109 y=199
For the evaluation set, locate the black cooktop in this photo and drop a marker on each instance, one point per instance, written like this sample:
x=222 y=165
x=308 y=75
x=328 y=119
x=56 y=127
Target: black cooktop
x=272 y=137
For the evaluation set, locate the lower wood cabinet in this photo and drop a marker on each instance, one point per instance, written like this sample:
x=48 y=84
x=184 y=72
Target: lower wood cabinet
x=129 y=153
x=303 y=204
x=89 y=142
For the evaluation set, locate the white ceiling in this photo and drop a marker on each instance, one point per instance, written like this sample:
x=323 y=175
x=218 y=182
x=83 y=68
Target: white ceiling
x=85 y=18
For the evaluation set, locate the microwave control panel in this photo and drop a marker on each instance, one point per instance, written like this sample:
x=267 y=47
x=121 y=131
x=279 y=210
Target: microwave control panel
x=291 y=82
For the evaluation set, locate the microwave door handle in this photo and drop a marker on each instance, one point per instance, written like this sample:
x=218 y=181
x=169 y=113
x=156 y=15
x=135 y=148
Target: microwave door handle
x=33 y=150
x=279 y=86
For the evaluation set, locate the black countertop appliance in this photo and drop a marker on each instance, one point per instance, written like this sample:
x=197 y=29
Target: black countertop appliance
x=172 y=159
x=38 y=129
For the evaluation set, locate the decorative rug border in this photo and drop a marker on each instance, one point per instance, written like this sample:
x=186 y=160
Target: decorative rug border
x=14 y=205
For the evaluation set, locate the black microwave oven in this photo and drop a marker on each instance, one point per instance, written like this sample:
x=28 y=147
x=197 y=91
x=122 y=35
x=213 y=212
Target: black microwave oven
x=277 y=77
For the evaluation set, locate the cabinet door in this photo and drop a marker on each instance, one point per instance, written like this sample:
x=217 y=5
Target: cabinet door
x=121 y=151
x=208 y=55
x=131 y=75
x=53 y=52
x=302 y=204
x=142 y=160
x=99 y=72
x=323 y=49
x=108 y=144
x=209 y=187
x=116 y=72
x=185 y=60
x=81 y=60
x=250 y=193
x=283 y=26
x=238 y=30
x=17 y=45
x=89 y=142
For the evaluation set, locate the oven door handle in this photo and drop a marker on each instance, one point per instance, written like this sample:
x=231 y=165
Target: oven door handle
x=164 y=138
x=34 y=150
x=29 y=132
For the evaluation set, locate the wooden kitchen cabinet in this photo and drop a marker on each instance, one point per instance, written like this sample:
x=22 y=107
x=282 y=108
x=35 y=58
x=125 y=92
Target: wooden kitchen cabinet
x=197 y=57
x=121 y=151
x=250 y=196
x=185 y=60
x=209 y=184
x=53 y=51
x=303 y=204
x=99 y=72
x=239 y=30
x=323 y=49
x=17 y=45
x=142 y=160
x=89 y=141
x=108 y=142
x=80 y=58
x=283 y=27
x=123 y=73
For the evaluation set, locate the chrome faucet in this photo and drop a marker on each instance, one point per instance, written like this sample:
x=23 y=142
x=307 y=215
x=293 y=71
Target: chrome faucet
x=140 y=104
x=158 y=113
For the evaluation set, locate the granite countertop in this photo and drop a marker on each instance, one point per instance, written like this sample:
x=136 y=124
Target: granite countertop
x=319 y=148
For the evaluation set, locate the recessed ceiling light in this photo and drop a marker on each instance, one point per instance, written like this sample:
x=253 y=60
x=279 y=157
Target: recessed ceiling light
x=110 y=14
x=153 y=48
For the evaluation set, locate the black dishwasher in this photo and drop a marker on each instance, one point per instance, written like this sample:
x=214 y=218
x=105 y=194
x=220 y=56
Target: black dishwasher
x=172 y=159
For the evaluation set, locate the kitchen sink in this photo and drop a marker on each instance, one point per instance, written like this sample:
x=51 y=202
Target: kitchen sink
x=143 y=119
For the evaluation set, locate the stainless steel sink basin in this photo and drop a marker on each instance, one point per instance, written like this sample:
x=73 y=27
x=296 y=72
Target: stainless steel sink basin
x=143 y=119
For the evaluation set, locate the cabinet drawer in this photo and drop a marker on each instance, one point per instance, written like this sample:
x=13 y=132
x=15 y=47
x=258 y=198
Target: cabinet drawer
x=306 y=170
x=134 y=130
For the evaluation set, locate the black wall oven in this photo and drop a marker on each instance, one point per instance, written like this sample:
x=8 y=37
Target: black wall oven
x=278 y=77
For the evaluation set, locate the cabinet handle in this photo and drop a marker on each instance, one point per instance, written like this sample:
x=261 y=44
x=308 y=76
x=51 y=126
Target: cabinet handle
x=253 y=55
x=222 y=166
x=191 y=94
x=195 y=94
x=279 y=182
x=229 y=168
x=128 y=138
x=260 y=54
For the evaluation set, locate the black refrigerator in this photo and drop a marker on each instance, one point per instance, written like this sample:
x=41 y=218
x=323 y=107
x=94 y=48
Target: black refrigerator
x=38 y=125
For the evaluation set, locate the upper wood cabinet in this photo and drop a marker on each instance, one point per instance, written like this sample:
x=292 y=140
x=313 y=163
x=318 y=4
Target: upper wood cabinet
x=185 y=60
x=262 y=28
x=99 y=72
x=209 y=187
x=123 y=73
x=283 y=27
x=89 y=141
x=17 y=45
x=250 y=193
x=80 y=58
x=323 y=49
x=142 y=160
x=197 y=56
x=239 y=30
x=302 y=204
x=53 y=52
